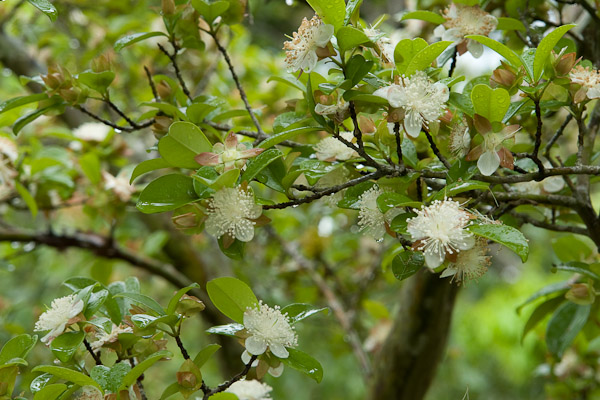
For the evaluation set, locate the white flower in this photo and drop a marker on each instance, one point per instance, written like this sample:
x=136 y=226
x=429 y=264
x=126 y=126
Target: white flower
x=338 y=111
x=589 y=79
x=103 y=338
x=90 y=393
x=386 y=48
x=62 y=313
x=370 y=218
x=91 y=131
x=421 y=100
x=460 y=140
x=469 y=264
x=301 y=51
x=439 y=229
x=119 y=184
x=231 y=211
x=331 y=148
x=492 y=153
x=268 y=329
x=250 y=390
x=462 y=20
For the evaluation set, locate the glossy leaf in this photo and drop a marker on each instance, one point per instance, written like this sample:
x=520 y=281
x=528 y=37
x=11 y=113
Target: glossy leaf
x=183 y=142
x=405 y=50
x=510 y=24
x=298 y=311
x=349 y=38
x=110 y=378
x=46 y=7
x=210 y=10
x=134 y=38
x=205 y=354
x=304 y=363
x=98 y=81
x=545 y=48
x=231 y=296
x=545 y=292
x=27 y=198
x=459 y=187
x=540 y=312
x=426 y=57
x=505 y=235
x=578 y=268
x=177 y=296
x=148 y=166
x=17 y=347
x=21 y=101
x=563 y=327
x=64 y=346
x=143 y=300
x=331 y=11
x=390 y=200
x=167 y=193
x=68 y=375
x=32 y=116
x=226 y=330
x=407 y=263
x=510 y=56
x=257 y=164
x=287 y=135
x=490 y=103
x=139 y=369
x=50 y=392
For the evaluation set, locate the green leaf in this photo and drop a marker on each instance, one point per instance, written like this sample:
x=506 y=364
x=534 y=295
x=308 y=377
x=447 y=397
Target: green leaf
x=67 y=374
x=226 y=330
x=210 y=11
x=17 y=347
x=224 y=396
x=540 y=313
x=505 y=235
x=144 y=300
x=425 y=57
x=183 y=142
x=148 y=166
x=64 y=346
x=170 y=390
x=571 y=247
x=235 y=251
x=166 y=108
x=352 y=195
x=390 y=200
x=27 y=198
x=46 y=7
x=167 y=193
x=257 y=164
x=177 y=296
x=563 y=327
x=208 y=177
x=110 y=378
x=231 y=296
x=331 y=11
x=407 y=263
x=510 y=56
x=428 y=16
x=356 y=69
x=21 y=101
x=205 y=354
x=298 y=311
x=560 y=287
x=578 y=268
x=50 y=392
x=405 y=50
x=510 y=24
x=134 y=38
x=287 y=135
x=458 y=187
x=490 y=103
x=90 y=165
x=352 y=8
x=304 y=363
x=545 y=47
x=29 y=118
x=310 y=100
x=98 y=81
x=139 y=369
x=349 y=37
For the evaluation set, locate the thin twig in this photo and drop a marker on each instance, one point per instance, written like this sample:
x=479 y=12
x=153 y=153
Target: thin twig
x=557 y=135
x=437 y=151
x=550 y=226
x=152 y=86
x=173 y=58
x=134 y=128
x=95 y=356
x=398 y=143
x=538 y=137
x=224 y=386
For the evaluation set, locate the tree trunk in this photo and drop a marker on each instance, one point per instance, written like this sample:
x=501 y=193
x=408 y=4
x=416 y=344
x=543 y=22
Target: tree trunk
x=408 y=360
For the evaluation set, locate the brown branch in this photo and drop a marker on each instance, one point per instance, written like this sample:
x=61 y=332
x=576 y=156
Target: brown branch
x=549 y=226
x=173 y=58
x=132 y=128
x=238 y=84
x=95 y=356
x=152 y=86
x=436 y=151
x=398 y=143
x=224 y=386
x=256 y=135
x=538 y=138
x=557 y=135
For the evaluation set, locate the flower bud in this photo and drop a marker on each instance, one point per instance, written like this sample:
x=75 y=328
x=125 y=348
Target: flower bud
x=161 y=126
x=168 y=7
x=164 y=90
x=101 y=63
x=187 y=379
x=563 y=64
x=581 y=293
x=503 y=77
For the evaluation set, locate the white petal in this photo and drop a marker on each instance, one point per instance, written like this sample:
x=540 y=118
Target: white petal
x=448 y=272
x=413 y=122
x=324 y=34
x=277 y=371
x=383 y=92
x=255 y=346
x=212 y=227
x=439 y=31
x=452 y=35
x=488 y=163
x=468 y=243
x=397 y=96
x=244 y=230
x=279 y=350
x=309 y=61
x=553 y=184
x=475 y=48
x=77 y=308
x=434 y=260
x=594 y=93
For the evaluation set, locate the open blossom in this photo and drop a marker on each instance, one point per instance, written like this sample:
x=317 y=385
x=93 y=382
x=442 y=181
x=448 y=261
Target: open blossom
x=119 y=184
x=339 y=111
x=330 y=148
x=470 y=264
x=439 y=230
x=250 y=390
x=62 y=313
x=91 y=132
x=370 y=218
x=462 y=20
x=421 y=100
x=492 y=153
x=232 y=211
x=383 y=43
x=589 y=79
x=301 y=51
x=460 y=140
x=230 y=155
x=268 y=329
x=103 y=338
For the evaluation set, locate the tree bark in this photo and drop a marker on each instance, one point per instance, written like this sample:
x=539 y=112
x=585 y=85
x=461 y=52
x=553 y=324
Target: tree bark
x=407 y=362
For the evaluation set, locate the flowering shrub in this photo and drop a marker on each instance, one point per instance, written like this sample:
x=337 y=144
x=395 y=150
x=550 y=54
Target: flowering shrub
x=438 y=166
